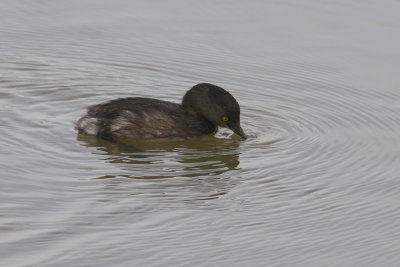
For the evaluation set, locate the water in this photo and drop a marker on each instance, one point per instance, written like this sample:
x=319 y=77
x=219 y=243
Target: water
x=316 y=183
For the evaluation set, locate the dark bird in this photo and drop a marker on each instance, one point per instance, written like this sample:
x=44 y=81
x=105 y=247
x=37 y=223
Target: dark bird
x=204 y=107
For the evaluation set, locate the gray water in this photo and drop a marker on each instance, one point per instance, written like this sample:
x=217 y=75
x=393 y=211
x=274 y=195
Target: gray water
x=316 y=184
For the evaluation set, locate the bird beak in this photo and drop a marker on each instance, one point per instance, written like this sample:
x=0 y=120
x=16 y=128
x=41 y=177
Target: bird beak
x=238 y=130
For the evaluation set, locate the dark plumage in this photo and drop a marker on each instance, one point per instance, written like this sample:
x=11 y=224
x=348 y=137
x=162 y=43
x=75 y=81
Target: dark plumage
x=203 y=108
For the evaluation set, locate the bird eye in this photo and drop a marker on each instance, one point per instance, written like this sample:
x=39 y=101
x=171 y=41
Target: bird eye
x=225 y=118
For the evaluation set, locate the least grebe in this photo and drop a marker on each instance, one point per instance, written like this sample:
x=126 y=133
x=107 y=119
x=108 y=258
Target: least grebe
x=204 y=107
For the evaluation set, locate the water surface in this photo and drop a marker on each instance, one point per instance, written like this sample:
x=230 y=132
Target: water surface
x=316 y=183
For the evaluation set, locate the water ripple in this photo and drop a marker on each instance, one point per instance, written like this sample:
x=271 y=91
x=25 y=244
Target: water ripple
x=315 y=183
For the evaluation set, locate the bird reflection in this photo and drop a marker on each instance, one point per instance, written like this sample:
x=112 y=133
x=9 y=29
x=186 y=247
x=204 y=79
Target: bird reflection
x=163 y=158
